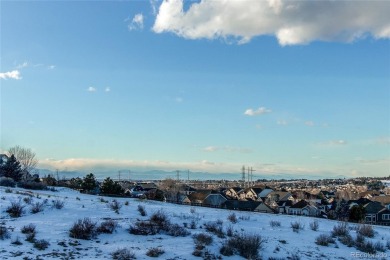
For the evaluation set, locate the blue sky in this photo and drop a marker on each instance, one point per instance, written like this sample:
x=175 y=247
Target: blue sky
x=139 y=85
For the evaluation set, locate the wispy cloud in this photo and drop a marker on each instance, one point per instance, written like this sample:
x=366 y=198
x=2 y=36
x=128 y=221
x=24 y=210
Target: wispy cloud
x=282 y=122
x=179 y=99
x=15 y=74
x=137 y=23
x=257 y=112
x=291 y=22
x=51 y=67
x=228 y=149
x=22 y=65
x=107 y=89
x=334 y=143
x=309 y=123
x=91 y=89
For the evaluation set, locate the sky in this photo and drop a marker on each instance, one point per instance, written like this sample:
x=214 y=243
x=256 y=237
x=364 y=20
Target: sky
x=294 y=87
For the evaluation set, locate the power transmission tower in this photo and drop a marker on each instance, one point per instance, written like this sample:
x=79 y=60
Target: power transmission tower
x=252 y=175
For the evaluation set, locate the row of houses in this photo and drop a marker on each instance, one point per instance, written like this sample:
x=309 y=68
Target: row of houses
x=266 y=200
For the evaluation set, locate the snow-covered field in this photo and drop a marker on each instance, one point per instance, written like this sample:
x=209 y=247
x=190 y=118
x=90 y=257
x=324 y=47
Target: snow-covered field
x=54 y=224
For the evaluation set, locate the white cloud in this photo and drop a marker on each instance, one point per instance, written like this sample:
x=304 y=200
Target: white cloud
x=291 y=22
x=334 y=143
x=309 y=123
x=228 y=149
x=15 y=74
x=259 y=111
x=51 y=67
x=282 y=122
x=23 y=65
x=107 y=89
x=137 y=23
x=210 y=149
x=91 y=89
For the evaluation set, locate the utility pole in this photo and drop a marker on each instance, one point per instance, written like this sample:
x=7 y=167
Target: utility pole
x=248 y=177
x=243 y=175
x=252 y=175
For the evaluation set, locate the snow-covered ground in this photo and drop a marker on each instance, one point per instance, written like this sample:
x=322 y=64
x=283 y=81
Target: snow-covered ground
x=54 y=224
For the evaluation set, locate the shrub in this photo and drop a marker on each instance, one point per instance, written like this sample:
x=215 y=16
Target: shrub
x=126 y=203
x=27 y=200
x=123 y=254
x=58 y=204
x=275 y=223
x=229 y=231
x=144 y=228
x=41 y=244
x=30 y=237
x=32 y=185
x=245 y=245
x=226 y=250
x=365 y=230
x=314 y=225
x=324 y=240
x=115 y=206
x=388 y=244
x=379 y=247
x=4 y=233
x=215 y=227
x=232 y=218
x=197 y=253
x=340 y=230
x=30 y=228
x=7 y=182
x=17 y=241
x=347 y=240
x=160 y=219
x=155 y=252
x=15 y=210
x=297 y=226
x=193 y=224
x=363 y=245
x=203 y=239
x=83 y=229
x=141 y=210
x=37 y=207
x=176 y=230
x=107 y=226
x=8 y=190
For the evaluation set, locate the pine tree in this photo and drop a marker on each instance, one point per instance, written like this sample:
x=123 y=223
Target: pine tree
x=11 y=169
x=110 y=187
x=89 y=183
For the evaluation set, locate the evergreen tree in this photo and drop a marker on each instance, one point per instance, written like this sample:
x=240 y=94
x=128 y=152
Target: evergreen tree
x=110 y=187
x=11 y=169
x=89 y=183
x=357 y=213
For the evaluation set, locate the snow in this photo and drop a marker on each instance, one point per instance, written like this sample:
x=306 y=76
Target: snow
x=54 y=224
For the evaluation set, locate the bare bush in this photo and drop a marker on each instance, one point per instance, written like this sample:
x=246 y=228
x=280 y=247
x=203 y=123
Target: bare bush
x=365 y=230
x=41 y=244
x=107 y=226
x=232 y=218
x=340 y=230
x=155 y=252
x=115 y=206
x=314 y=225
x=141 y=210
x=37 y=207
x=176 y=230
x=247 y=246
x=297 y=226
x=32 y=185
x=275 y=223
x=58 y=204
x=324 y=240
x=123 y=254
x=379 y=247
x=364 y=245
x=16 y=209
x=17 y=241
x=4 y=233
x=215 y=227
x=28 y=200
x=83 y=229
x=229 y=231
x=144 y=228
x=160 y=218
x=203 y=239
x=30 y=228
x=347 y=240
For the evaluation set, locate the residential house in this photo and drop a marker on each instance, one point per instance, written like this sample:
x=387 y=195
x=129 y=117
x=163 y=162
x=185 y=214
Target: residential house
x=297 y=208
x=283 y=206
x=241 y=205
x=264 y=208
x=231 y=193
x=263 y=194
x=372 y=209
x=247 y=194
x=384 y=217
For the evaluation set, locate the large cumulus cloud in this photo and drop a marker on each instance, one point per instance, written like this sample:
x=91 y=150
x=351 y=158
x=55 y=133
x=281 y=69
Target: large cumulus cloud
x=291 y=22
